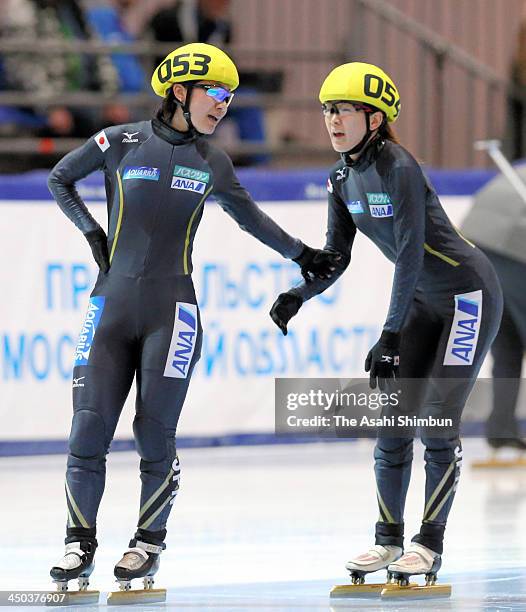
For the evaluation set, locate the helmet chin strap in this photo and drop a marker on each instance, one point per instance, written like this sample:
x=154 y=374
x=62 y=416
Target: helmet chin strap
x=185 y=107
x=346 y=157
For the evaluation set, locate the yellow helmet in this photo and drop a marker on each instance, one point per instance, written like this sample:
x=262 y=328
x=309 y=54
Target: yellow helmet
x=366 y=83
x=194 y=62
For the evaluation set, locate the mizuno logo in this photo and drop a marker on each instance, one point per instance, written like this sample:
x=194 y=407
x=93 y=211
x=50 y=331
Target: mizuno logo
x=129 y=137
x=77 y=383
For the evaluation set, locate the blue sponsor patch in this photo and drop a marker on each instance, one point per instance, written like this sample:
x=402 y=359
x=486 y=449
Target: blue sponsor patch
x=355 y=207
x=183 y=341
x=87 y=334
x=380 y=211
x=378 y=198
x=191 y=173
x=188 y=185
x=144 y=173
x=464 y=333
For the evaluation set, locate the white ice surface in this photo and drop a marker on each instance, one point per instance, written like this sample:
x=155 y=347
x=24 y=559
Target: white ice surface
x=270 y=527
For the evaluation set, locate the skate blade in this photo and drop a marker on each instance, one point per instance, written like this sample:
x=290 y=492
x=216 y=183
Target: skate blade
x=82 y=597
x=414 y=591
x=118 y=598
x=357 y=590
x=496 y=463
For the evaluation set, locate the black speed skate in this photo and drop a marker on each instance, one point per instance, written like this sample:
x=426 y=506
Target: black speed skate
x=141 y=560
x=77 y=563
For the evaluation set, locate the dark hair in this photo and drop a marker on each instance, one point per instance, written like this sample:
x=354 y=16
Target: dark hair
x=387 y=132
x=169 y=105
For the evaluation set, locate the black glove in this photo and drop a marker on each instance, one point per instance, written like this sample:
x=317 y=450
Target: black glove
x=317 y=263
x=98 y=242
x=284 y=308
x=383 y=360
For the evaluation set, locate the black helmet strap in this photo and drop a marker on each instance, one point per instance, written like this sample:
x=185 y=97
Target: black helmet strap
x=185 y=107
x=357 y=148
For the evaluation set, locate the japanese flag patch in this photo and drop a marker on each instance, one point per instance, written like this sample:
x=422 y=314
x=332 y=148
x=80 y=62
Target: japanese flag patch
x=102 y=141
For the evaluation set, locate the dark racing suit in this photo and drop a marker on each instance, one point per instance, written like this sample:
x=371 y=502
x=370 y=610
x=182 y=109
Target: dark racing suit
x=143 y=318
x=446 y=302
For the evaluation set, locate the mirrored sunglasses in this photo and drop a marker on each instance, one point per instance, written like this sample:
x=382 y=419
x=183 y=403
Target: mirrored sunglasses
x=219 y=94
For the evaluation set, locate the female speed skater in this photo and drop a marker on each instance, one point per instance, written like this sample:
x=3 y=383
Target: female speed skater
x=143 y=320
x=444 y=312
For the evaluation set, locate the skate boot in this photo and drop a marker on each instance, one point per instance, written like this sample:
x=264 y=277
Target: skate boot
x=416 y=560
x=77 y=563
x=376 y=558
x=516 y=443
x=141 y=560
x=502 y=455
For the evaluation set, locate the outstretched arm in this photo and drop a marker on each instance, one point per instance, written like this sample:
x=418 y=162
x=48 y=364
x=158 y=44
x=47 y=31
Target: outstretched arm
x=236 y=201
x=340 y=237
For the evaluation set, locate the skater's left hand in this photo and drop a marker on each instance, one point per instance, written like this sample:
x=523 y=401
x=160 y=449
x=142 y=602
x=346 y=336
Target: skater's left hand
x=383 y=360
x=284 y=308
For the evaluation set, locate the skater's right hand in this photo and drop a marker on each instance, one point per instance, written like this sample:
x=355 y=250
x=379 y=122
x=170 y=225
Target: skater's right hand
x=98 y=242
x=317 y=263
x=284 y=308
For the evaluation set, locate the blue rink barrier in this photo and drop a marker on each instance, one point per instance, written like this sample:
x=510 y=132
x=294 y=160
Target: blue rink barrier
x=17 y=448
x=264 y=185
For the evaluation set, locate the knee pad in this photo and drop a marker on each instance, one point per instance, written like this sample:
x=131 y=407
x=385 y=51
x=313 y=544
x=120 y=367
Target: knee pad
x=151 y=439
x=88 y=434
x=443 y=450
x=394 y=451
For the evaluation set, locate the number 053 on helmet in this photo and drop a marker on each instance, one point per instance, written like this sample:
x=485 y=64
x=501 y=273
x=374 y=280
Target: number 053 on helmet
x=194 y=62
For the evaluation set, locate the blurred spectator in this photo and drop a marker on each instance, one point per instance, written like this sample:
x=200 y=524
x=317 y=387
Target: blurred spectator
x=193 y=21
x=497 y=224
x=107 y=20
x=47 y=75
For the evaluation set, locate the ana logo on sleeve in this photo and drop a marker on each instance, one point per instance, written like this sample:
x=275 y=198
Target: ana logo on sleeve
x=102 y=141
